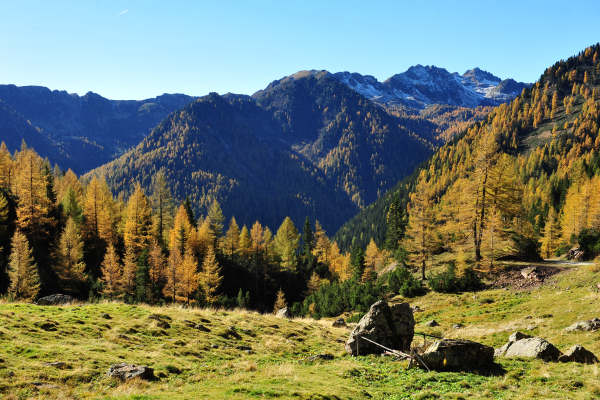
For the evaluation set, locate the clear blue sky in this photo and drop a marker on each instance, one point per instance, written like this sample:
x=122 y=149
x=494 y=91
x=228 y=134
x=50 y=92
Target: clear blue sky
x=130 y=49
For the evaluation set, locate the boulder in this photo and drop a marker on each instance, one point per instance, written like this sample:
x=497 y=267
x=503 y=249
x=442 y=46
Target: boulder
x=124 y=372
x=283 y=313
x=530 y=347
x=432 y=323
x=590 y=325
x=575 y=254
x=501 y=352
x=339 y=323
x=390 y=326
x=458 y=355
x=579 y=354
x=531 y=273
x=55 y=300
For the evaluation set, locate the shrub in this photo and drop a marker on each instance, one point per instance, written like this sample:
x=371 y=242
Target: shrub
x=401 y=281
x=589 y=242
x=448 y=282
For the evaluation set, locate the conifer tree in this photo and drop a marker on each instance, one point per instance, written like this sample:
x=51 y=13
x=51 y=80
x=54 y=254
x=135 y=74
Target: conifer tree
x=313 y=284
x=189 y=278
x=419 y=232
x=181 y=231
x=172 y=278
x=286 y=243
x=130 y=267
x=210 y=277
x=162 y=206
x=280 y=302
x=245 y=242
x=156 y=272
x=22 y=270
x=231 y=239
x=551 y=234
x=112 y=272
x=138 y=224
x=187 y=204
x=70 y=266
x=215 y=219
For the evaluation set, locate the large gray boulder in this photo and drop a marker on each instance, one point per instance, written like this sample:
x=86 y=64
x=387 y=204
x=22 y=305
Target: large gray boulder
x=458 y=355
x=579 y=354
x=55 y=300
x=585 y=326
x=529 y=347
x=391 y=326
x=125 y=372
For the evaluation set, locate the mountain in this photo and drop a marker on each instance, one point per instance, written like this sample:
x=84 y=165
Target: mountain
x=81 y=132
x=422 y=86
x=522 y=183
x=306 y=145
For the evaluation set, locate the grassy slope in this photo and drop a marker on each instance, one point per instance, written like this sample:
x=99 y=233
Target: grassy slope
x=192 y=368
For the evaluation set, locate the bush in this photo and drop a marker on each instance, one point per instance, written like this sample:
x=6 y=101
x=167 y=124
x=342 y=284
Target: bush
x=589 y=242
x=401 y=281
x=448 y=282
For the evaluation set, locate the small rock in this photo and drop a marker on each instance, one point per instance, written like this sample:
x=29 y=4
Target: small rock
x=48 y=326
x=124 y=372
x=432 y=323
x=159 y=317
x=244 y=348
x=417 y=309
x=163 y=324
x=106 y=316
x=458 y=326
x=458 y=355
x=283 y=313
x=586 y=326
x=55 y=300
x=339 y=323
x=579 y=354
x=57 y=364
x=201 y=328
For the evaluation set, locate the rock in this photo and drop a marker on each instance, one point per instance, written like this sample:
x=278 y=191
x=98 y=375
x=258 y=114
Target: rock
x=390 y=326
x=105 y=316
x=124 y=372
x=432 y=323
x=244 y=348
x=57 y=364
x=324 y=357
x=579 y=354
x=458 y=326
x=163 y=324
x=532 y=273
x=457 y=354
x=201 y=328
x=55 y=300
x=532 y=347
x=159 y=317
x=417 y=309
x=283 y=313
x=590 y=325
x=339 y=323
x=48 y=326
x=518 y=336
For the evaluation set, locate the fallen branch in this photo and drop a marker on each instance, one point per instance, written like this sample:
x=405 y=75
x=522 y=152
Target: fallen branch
x=399 y=354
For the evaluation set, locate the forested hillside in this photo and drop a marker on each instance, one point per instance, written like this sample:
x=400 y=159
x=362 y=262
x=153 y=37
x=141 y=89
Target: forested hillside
x=79 y=132
x=519 y=184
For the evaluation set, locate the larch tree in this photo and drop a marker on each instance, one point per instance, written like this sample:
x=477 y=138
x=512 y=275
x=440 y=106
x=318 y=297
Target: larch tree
x=232 y=238
x=280 y=302
x=419 y=232
x=286 y=244
x=245 y=243
x=138 y=223
x=70 y=267
x=130 y=267
x=551 y=235
x=22 y=270
x=112 y=272
x=156 y=272
x=172 y=277
x=162 y=206
x=189 y=278
x=210 y=277
x=215 y=219
x=181 y=232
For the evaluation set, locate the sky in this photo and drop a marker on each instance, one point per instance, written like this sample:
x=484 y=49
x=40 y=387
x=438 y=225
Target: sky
x=127 y=49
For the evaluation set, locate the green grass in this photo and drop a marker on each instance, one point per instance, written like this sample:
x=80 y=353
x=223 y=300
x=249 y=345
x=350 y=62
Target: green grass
x=192 y=364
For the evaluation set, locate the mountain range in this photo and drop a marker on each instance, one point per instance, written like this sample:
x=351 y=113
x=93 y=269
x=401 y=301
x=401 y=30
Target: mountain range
x=311 y=144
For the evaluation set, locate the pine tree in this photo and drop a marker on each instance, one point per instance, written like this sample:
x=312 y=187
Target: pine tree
x=112 y=272
x=162 y=206
x=215 y=219
x=181 y=231
x=189 y=278
x=551 y=236
x=172 y=278
x=22 y=270
x=210 y=277
x=322 y=245
x=245 y=242
x=286 y=243
x=70 y=266
x=313 y=284
x=187 y=204
x=128 y=279
x=156 y=272
x=308 y=240
x=419 y=232
x=280 y=302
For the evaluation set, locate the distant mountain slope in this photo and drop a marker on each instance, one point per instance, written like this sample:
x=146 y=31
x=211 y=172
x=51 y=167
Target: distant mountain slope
x=91 y=130
x=422 y=86
x=307 y=145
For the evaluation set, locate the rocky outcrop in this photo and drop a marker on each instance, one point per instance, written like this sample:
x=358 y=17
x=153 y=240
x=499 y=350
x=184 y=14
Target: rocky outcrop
x=125 y=372
x=55 y=300
x=458 y=355
x=390 y=326
x=283 y=313
x=589 y=325
x=579 y=354
x=575 y=254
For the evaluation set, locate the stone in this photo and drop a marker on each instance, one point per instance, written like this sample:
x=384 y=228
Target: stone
x=323 y=357
x=531 y=273
x=57 y=364
x=432 y=323
x=579 y=354
x=532 y=347
x=417 y=309
x=458 y=326
x=283 y=313
x=339 y=323
x=55 y=300
x=163 y=324
x=390 y=326
x=589 y=325
x=518 y=336
x=575 y=254
x=124 y=372
x=48 y=326
x=458 y=355
x=201 y=328
x=106 y=316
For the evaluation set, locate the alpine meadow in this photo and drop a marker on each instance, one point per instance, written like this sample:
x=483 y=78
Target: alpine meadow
x=424 y=234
